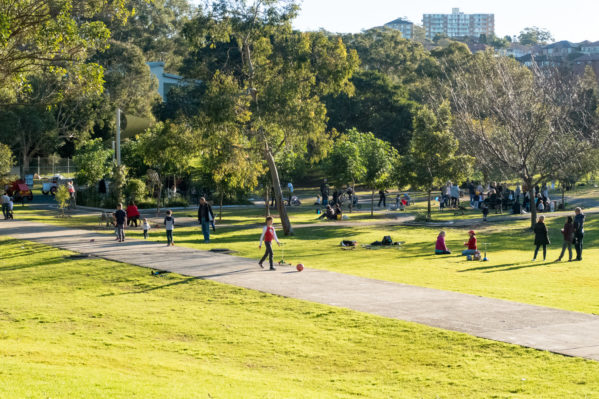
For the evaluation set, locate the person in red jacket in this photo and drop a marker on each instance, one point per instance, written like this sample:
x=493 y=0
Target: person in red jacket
x=471 y=244
x=268 y=234
x=132 y=214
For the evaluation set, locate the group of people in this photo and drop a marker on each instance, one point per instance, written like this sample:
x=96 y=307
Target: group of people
x=572 y=232
x=7 y=206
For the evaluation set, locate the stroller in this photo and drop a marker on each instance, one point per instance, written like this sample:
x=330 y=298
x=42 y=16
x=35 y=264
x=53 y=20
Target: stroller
x=294 y=201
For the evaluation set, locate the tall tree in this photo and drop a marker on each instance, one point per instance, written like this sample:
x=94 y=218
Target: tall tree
x=531 y=123
x=534 y=35
x=280 y=73
x=433 y=158
x=38 y=34
x=7 y=160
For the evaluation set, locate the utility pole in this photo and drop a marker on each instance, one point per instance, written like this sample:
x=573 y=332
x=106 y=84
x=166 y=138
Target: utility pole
x=118 y=137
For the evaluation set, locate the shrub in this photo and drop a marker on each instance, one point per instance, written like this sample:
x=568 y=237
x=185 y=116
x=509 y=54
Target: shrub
x=135 y=190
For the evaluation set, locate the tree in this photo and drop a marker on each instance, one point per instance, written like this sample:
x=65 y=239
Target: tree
x=378 y=157
x=168 y=148
x=7 y=160
x=62 y=196
x=280 y=75
x=93 y=162
x=534 y=36
x=47 y=34
x=344 y=163
x=378 y=106
x=523 y=122
x=433 y=158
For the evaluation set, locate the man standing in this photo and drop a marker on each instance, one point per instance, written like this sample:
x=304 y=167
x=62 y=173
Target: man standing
x=290 y=188
x=120 y=218
x=578 y=232
x=5 y=199
x=205 y=216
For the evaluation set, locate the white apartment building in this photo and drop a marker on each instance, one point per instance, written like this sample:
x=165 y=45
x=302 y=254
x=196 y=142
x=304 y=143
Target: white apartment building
x=458 y=24
x=404 y=26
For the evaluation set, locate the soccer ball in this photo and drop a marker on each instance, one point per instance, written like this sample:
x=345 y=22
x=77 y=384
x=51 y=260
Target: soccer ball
x=299 y=267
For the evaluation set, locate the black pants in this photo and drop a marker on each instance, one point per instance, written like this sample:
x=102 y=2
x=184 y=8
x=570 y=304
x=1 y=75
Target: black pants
x=566 y=245
x=146 y=234
x=544 y=251
x=5 y=210
x=132 y=221
x=382 y=199
x=578 y=245
x=268 y=253
x=169 y=237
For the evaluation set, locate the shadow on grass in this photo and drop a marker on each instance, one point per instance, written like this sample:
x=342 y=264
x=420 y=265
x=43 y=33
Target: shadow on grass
x=159 y=287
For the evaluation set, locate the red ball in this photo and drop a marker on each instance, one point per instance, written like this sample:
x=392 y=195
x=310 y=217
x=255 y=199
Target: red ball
x=299 y=267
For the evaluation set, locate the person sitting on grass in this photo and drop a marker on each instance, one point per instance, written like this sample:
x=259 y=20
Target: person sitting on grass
x=471 y=244
x=329 y=213
x=541 y=237
x=338 y=212
x=441 y=247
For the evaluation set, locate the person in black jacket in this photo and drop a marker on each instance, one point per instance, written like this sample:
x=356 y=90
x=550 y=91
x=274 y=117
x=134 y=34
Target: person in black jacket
x=205 y=216
x=541 y=237
x=578 y=232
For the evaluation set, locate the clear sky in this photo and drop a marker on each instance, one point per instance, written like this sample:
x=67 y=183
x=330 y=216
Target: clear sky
x=573 y=20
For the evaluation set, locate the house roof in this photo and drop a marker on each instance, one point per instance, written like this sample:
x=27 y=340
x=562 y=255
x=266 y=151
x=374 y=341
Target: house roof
x=562 y=44
x=588 y=58
x=399 y=21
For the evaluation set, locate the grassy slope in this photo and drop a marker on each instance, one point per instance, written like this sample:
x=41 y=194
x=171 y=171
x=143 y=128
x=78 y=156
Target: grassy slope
x=99 y=329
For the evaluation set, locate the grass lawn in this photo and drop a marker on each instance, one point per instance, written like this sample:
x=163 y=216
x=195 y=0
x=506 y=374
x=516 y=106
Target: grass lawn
x=509 y=274
x=91 y=328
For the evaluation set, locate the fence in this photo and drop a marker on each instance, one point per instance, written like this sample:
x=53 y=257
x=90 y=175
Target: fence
x=50 y=166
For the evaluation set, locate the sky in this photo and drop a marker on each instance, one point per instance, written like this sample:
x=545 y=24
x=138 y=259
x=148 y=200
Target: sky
x=574 y=20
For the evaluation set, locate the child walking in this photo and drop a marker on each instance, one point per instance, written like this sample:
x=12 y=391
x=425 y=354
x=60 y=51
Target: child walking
x=268 y=234
x=441 y=247
x=169 y=224
x=541 y=237
x=146 y=226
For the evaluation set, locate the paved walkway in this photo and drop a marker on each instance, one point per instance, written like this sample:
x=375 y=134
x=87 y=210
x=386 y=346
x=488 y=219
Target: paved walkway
x=559 y=331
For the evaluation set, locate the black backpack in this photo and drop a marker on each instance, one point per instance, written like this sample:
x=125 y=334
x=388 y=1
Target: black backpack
x=387 y=240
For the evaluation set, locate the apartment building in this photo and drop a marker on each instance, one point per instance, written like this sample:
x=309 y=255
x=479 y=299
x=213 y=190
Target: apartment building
x=457 y=24
x=404 y=26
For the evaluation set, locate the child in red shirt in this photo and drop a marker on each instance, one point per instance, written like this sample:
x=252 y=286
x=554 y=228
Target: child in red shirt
x=268 y=234
x=471 y=244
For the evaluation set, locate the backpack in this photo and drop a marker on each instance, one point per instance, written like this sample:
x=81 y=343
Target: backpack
x=387 y=240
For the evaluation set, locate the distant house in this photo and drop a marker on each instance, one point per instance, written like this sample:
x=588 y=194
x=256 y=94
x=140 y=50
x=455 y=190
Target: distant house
x=579 y=64
x=166 y=81
x=516 y=50
x=404 y=26
x=589 y=48
x=560 y=49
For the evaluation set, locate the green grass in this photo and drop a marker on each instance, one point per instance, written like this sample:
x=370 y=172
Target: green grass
x=508 y=275
x=99 y=329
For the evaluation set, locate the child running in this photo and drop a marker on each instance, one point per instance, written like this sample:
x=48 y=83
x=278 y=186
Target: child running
x=169 y=223
x=268 y=234
x=471 y=244
x=441 y=247
x=146 y=226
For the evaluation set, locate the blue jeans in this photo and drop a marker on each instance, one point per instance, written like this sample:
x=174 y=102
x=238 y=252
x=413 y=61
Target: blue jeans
x=469 y=252
x=206 y=229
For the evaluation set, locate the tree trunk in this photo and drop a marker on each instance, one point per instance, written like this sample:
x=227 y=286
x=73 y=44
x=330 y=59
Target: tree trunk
x=533 y=205
x=276 y=182
x=220 y=211
x=429 y=209
x=24 y=165
x=267 y=199
x=372 y=204
x=563 y=197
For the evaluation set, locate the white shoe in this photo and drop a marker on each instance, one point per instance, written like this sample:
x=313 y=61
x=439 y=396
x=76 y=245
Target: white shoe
x=534 y=259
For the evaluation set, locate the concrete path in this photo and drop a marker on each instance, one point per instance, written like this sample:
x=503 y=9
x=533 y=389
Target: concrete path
x=559 y=331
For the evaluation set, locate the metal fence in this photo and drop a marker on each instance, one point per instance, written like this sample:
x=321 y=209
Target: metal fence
x=49 y=166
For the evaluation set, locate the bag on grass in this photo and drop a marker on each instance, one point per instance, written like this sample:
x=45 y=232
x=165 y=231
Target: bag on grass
x=387 y=240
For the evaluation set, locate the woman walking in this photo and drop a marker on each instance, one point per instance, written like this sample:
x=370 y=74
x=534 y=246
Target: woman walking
x=568 y=233
x=541 y=237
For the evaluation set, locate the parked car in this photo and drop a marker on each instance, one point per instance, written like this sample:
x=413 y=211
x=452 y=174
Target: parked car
x=50 y=186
